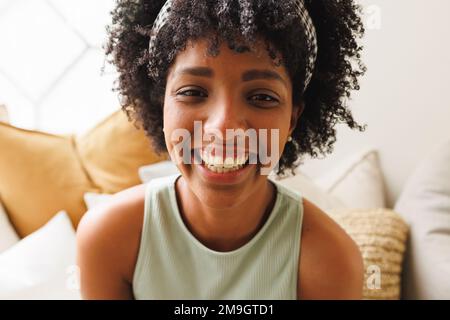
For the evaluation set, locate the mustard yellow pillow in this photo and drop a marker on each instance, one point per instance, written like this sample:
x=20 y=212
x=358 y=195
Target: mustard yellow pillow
x=41 y=173
x=113 y=151
x=381 y=236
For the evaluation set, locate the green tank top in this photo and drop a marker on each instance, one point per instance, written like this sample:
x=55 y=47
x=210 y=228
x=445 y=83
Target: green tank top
x=173 y=264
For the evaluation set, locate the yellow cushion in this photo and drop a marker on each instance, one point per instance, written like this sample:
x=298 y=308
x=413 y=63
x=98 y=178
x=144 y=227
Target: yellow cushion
x=113 y=151
x=41 y=174
x=381 y=236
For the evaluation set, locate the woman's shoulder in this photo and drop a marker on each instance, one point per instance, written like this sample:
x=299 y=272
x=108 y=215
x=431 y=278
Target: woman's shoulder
x=111 y=231
x=331 y=265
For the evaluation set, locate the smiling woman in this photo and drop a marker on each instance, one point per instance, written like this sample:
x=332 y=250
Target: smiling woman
x=221 y=229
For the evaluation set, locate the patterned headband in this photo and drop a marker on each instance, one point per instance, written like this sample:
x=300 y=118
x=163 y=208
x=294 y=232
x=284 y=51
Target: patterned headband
x=305 y=18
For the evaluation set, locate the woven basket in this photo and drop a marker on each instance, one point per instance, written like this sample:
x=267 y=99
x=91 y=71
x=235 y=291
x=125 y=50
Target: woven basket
x=381 y=236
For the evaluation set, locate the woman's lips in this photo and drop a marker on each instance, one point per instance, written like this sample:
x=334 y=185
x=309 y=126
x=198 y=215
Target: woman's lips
x=230 y=177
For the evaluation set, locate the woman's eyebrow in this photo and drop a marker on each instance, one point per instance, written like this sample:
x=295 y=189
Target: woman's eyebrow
x=195 y=71
x=249 y=75
x=255 y=74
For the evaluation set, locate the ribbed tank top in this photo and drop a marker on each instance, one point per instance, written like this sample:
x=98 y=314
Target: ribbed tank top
x=173 y=264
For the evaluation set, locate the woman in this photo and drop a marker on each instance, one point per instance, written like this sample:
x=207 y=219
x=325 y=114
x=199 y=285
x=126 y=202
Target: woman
x=221 y=229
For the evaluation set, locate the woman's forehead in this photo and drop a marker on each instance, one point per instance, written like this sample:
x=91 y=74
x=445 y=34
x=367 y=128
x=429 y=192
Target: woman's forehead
x=195 y=55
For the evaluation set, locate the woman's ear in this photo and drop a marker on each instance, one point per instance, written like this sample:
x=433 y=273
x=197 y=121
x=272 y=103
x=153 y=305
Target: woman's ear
x=297 y=111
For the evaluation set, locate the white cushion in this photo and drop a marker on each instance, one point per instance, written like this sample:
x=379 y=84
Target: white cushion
x=92 y=199
x=41 y=265
x=3 y=114
x=8 y=235
x=308 y=189
x=358 y=181
x=157 y=170
x=425 y=205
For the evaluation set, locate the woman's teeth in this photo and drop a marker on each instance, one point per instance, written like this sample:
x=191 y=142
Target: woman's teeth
x=220 y=165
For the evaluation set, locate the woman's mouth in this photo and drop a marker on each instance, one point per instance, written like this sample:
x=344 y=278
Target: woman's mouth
x=223 y=169
x=219 y=164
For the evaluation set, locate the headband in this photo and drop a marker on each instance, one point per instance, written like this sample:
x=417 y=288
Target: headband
x=302 y=12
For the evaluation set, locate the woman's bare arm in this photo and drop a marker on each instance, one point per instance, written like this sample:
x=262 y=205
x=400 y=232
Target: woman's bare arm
x=108 y=239
x=331 y=265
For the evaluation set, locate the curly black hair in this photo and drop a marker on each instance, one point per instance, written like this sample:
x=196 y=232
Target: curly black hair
x=142 y=76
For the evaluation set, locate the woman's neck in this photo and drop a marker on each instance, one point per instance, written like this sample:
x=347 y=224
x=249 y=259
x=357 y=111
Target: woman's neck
x=225 y=229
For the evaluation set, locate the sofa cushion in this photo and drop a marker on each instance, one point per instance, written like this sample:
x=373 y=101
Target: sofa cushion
x=425 y=205
x=41 y=173
x=39 y=266
x=357 y=181
x=308 y=189
x=113 y=151
x=381 y=237
x=8 y=236
x=3 y=114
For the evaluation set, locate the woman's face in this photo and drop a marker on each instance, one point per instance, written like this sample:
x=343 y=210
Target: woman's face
x=231 y=91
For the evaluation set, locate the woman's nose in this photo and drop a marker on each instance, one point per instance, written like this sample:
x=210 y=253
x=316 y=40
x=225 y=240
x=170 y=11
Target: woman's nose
x=228 y=115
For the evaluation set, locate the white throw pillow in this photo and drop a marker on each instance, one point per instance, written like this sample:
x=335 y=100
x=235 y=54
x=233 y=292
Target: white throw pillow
x=92 y=199
x=8 y=235
x=157 y=170
x=41 y=265
x=4 y=114
x=425 y=205
x=310 y=191
x=358 y=181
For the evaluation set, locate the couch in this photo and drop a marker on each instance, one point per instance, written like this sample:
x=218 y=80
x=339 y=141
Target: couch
x=47 y=182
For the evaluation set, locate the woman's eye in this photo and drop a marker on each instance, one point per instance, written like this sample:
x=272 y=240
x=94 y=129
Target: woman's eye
x=263 y=98
x=192 y=93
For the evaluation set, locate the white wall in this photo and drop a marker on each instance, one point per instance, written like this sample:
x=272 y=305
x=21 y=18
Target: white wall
x=405 y=95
